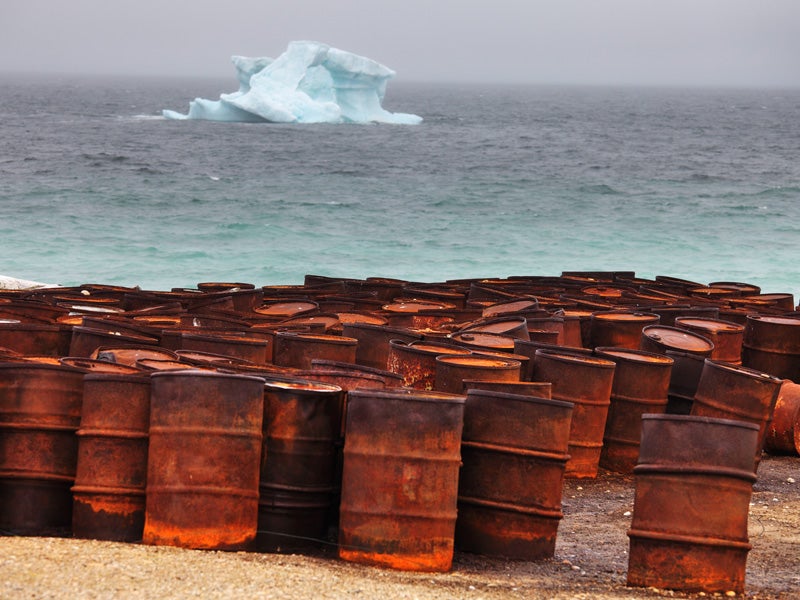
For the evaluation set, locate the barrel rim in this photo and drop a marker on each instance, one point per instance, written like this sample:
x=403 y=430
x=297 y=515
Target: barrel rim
x=206 y=374
x=637 y=356
x=520 y=397
x=699 y=419
x=408 y=394
x=576 y=358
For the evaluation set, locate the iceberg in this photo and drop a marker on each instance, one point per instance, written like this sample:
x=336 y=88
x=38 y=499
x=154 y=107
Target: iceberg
x=309 y=83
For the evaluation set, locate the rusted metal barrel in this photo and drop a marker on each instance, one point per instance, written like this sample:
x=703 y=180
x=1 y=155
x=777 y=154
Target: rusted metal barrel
x=660 y=339
x=416 y=361
x=373 y=342
x=694 y=482
x=783 y=432
x=731 y=392
x=620 y=329
x=539 y=389
x=400 y=479
x=299 y=349
x=772 y=344
x=726 y=336
x=203 y=460
x=111 y=473
x=586 y=381
x=298 y=463
x=43 y=339
x=686 y=371
x=641 y=385
x=40 y=410
x=511 y=326
x=244 y=346
x=128 y=355
x=480 y=340
x=452 y=370
x=85 y=340
x=529 y=349
x=514 y=451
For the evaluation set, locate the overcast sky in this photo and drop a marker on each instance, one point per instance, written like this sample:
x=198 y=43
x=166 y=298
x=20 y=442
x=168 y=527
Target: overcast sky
x=694 y=42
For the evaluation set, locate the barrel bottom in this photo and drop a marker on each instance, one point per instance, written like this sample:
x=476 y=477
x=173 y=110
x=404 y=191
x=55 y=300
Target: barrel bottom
x=584 y=460
x=397 y=542
x=114 y=517
x=686 y=566
x=35 y=507
x=292 y=521
x=526 y=533
x=619 y=456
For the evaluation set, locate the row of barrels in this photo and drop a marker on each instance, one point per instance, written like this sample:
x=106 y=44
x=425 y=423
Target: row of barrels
x=423 y=356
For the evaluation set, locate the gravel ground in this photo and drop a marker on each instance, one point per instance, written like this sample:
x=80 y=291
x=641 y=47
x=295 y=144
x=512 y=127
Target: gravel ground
x=590 y=561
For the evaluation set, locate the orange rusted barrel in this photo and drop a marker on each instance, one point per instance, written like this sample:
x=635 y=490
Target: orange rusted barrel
x=726 y=336
x=45 y=339
x=203 y=460
x=783 y=432
x=452 y=370
x=299 y=349
x=619 y=329
x=298 y=463
x=694 y=482
x=514 y=451
x=416 y=361
x=539 y=389
x=373 y=342
x=529 y=349
x=586 y=381
x=660 y=339
x=40 y=410
x=772 y=344
x=111 y=474
x=732 y=392
x=641 y=385
x=400 y=479
x=512 y=326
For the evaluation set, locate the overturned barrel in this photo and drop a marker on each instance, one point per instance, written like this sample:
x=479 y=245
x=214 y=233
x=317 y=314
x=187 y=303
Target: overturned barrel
x=203 y=460
x=298 y=463
x=111 y=474
x=40 y=410
x=694 y=482
x=514 y=451
x=783 y=432
x=400 y=479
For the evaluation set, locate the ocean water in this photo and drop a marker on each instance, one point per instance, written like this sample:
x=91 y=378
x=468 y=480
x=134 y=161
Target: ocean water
x=96 y=187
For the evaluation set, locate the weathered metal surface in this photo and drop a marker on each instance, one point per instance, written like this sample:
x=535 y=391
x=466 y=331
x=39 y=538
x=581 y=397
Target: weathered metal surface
x=783 y=432
x=85 y=340
x=416 y=361
x=36 y=338
x=538 y=389
x=772 y=344
x=686 y=371
x=726 y=336
x=619 y=329
x=452 y=370
x=203 y=460
x=111 y=472
x=400 y=479
x=480 y=340
x=641 y=386
x=299 y=349
x=90 y=365
x=733 y=392
x=514 y=451
x=249 y=347
x=40 y=409
x=373 y=342
x=585 y=381
x=512 y=326
x=298 y=464
x=529 y=349
x=660 y=339
x=694 y=483
x=124 y=355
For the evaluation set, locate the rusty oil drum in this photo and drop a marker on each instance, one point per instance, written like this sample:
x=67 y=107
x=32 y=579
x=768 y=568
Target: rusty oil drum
x=539 y=389
x=40 y=410
x=694 y=482
x=772 y=344
x=203 y=460
x=514 y=452
x=783 y=432
x=641 y=385
x=661 y=339
x=298 y=463
x=297 y=350
x=586 y=381
x=416 y=361
x=400 y=479
x=728 y=391
x=111 y=475
x=619 y=329
x=452 y=370
x=726 y=336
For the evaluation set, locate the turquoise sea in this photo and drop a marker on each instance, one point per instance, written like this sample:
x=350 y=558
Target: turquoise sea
x=701 y=184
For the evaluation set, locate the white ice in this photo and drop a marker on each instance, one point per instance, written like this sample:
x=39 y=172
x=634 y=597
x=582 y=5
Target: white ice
x=309 y=83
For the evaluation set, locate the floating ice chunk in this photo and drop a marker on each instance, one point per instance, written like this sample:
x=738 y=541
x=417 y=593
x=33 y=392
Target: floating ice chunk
x=309 y=83
x=14 y=283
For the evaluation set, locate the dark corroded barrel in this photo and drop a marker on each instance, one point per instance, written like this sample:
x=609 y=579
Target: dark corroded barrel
x=661 y=339
x=203 y=461
x=452 y=370
x=619 y=329
x=298 y=350
x=726 y=336
x=694 y=482
x=514 y=451
x=400 y=479
x=783 y=432
x=772 y=344
x=111 y=475
x=416 y=361
x=585 y=381
x=40 y=410
x=298 y=463
x=539 y=389
x=641 y=385
x=85 y=340
x=732 y=392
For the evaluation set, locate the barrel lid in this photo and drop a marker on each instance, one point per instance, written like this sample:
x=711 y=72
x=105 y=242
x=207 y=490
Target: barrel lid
x=415 y=306
x=775 y=320
x=472 y=360
x=712 y=325
x=508 y=396
x=641 y=356
x=483 y=339
x=319 y=337
x=430 y=347
x=502 y=308
x=680 y=339
x=496 y=325
x=625 y=316
x=347 y=318
x=575 y=358
x=698 y=419
x=302 y=386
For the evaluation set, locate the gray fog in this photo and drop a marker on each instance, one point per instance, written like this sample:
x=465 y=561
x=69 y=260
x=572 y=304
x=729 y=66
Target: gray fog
x=648 y=42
